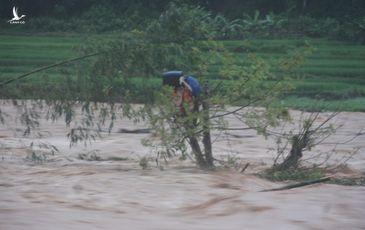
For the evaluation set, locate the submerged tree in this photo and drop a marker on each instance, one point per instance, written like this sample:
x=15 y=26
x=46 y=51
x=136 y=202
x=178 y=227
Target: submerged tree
x=250 y=85
x=310 y=134
x=124 y=70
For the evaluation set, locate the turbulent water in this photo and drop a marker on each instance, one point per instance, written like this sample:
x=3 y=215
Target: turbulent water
x=102 y=186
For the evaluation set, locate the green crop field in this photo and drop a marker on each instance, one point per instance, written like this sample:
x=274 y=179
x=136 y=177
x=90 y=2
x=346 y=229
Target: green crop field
x=20 y=54
x=335 y=72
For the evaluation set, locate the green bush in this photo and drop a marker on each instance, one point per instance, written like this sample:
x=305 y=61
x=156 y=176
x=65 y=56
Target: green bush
x=353 y=30
x=180 y=24
x=182 y=21
x=328 y=27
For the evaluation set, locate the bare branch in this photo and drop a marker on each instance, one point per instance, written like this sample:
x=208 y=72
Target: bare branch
x=326 y=121
x=48 y=67
x=235 y=129
x=347 y=141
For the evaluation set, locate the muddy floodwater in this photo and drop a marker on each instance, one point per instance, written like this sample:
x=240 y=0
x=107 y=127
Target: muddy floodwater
x=102 y=185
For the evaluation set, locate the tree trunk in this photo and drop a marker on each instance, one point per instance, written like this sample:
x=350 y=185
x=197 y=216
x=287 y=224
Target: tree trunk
x=299 y=142
x=303 y=7
x=206 y=127
x=193 y=141
x=194 y=144
x=205 y=160
x=291 y=161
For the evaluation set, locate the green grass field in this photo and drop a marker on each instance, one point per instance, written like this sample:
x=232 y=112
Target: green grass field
x=335 y=72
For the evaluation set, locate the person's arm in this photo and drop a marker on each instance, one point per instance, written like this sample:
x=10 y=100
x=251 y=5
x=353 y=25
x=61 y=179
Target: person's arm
x=178 y=97
x=183 y=82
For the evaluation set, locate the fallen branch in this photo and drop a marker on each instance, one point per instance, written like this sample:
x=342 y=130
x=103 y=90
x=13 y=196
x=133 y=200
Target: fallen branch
x=244 y=168
x=135 y=131
x=296 y=185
